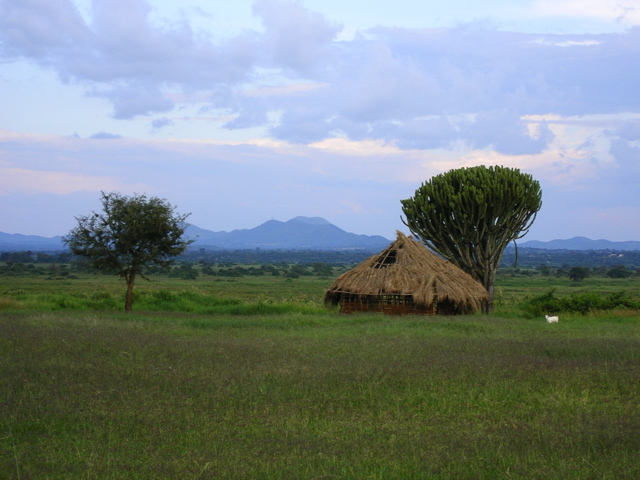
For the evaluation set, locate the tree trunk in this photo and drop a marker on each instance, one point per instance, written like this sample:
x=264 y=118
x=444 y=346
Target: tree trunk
x=487 y=305
x=488 y=283
x=128 y=301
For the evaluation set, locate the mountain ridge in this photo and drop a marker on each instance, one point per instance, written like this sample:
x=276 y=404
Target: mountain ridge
x=300 y=233
x=581 y=243
x=11 y=242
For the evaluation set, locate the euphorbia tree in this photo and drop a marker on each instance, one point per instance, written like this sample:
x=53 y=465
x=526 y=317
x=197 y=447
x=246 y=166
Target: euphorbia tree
x=470 y=215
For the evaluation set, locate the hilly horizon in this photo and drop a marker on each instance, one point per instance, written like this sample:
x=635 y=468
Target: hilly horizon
x=582 y=243
x=300 y=233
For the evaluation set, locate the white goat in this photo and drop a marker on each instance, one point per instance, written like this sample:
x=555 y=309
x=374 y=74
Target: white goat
x=551 y=319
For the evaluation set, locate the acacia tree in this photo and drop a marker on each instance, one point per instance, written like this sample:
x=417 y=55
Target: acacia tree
x=130 y=234
x=470 y=215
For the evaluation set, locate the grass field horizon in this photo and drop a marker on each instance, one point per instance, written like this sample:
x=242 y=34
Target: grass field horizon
x=253 y=378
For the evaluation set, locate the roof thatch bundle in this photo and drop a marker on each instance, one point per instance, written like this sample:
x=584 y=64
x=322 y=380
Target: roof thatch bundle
x=406 y=278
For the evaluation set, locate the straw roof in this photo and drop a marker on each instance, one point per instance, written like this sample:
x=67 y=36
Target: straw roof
x=407 y=267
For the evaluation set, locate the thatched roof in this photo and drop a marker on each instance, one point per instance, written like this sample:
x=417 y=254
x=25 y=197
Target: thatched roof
x=407 y=267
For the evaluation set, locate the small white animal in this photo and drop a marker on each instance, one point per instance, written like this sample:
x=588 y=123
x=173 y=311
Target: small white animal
x=551 y=319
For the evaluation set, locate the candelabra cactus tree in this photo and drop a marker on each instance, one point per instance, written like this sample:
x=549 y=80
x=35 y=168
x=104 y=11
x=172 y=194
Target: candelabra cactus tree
x=470 y=215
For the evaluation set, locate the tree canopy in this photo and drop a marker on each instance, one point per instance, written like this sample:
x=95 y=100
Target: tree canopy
x=470 y=215
x=130 y=234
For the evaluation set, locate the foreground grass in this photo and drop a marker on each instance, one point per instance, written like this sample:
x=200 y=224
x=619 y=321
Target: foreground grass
x=156 y=395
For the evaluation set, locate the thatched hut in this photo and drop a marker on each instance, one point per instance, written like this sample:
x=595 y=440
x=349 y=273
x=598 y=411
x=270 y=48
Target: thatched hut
x=406 y=278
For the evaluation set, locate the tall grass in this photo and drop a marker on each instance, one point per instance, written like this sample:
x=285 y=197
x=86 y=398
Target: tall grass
x=515 y=295
x=253 y=378
x=253 y=297
x=108 y=395
x=161 y=301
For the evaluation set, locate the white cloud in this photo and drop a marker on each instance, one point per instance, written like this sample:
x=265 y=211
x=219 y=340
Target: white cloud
x=284 y=90
x=294 y=37
x=566 y=43
x=400 y=84
x=624 y=11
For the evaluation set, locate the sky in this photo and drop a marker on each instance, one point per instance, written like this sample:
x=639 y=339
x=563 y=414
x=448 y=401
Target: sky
x=247 y=111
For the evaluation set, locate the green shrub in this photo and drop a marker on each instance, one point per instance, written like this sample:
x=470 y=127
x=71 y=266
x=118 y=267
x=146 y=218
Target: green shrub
x=620 y=271
x=102 y=300
x=167 y=300
x=542 y=304
x=185 y=272
x=582 y=303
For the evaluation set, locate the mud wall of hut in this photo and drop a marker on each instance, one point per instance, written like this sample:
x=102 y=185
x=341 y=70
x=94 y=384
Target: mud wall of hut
x=387 y=304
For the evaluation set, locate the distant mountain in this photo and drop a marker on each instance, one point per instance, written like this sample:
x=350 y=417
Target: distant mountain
x=299 y=233
x=581 y=243
x=14 y=242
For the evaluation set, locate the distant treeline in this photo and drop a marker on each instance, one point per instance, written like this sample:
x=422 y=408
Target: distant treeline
x=28 y=256
x=244 y=257
x=536 y=257
x=528 y=258
x=259 y=256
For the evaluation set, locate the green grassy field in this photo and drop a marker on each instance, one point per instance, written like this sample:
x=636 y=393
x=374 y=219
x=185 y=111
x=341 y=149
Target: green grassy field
x=253 y=378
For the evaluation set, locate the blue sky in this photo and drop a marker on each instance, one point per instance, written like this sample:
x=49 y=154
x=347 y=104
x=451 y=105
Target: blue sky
x=241 y=112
